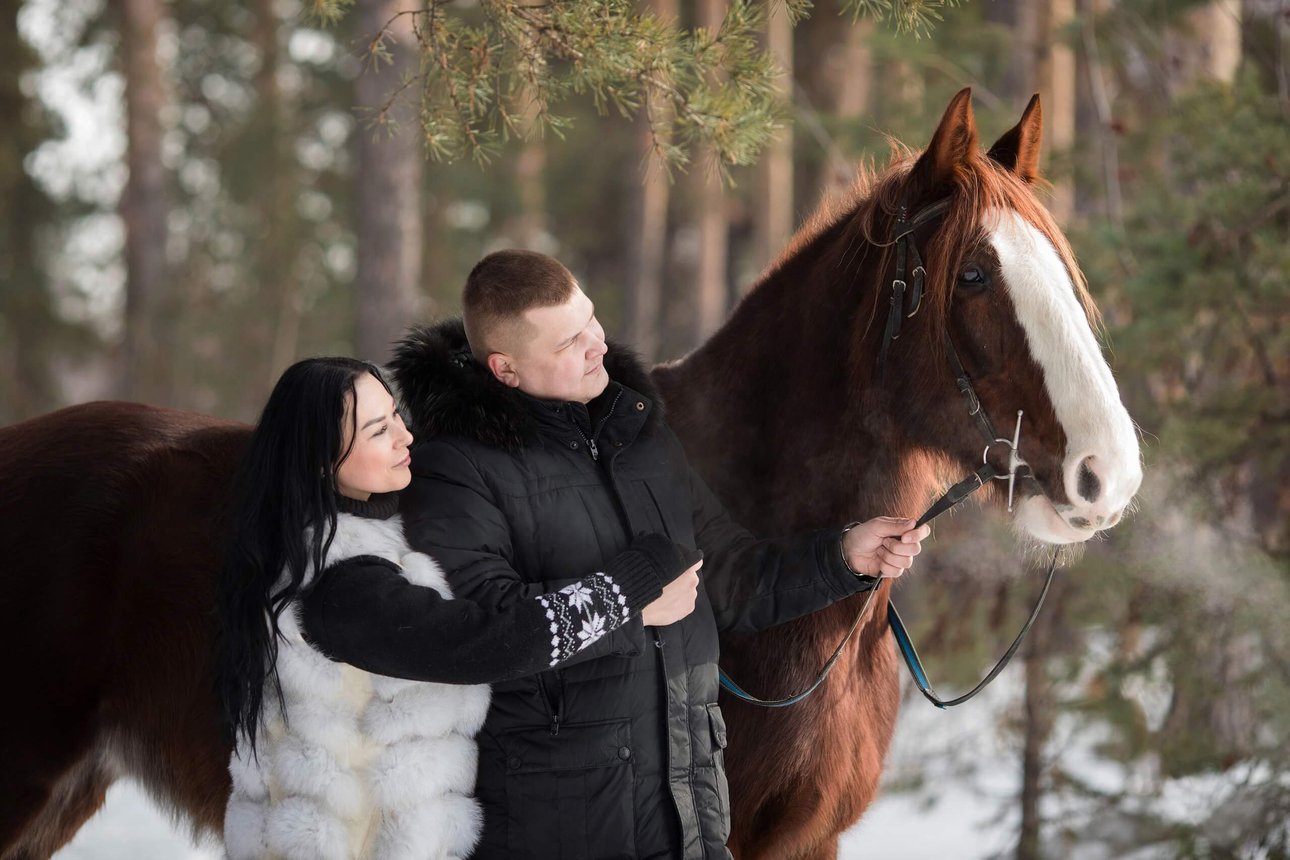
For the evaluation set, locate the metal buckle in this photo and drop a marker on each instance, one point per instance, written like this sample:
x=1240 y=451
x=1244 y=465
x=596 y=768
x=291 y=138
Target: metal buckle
x=1014 y=460
x=919 y=274
x=974 y=402
x=897 y=299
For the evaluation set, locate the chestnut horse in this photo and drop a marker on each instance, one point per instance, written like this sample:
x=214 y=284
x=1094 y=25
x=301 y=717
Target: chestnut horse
x=804 y=411
x=109 y=513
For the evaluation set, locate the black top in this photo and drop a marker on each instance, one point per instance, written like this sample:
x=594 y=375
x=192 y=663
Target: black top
x=362 y=611
x=378 y=506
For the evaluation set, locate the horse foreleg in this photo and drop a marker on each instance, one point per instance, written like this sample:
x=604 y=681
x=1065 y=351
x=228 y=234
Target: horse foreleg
x=795 y=825
x=45 y=816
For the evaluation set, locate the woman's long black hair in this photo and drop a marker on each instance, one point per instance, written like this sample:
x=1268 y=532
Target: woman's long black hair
x=282 y=518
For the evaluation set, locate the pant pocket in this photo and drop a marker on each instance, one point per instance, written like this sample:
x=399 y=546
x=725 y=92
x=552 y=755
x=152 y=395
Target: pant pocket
x=571 y=795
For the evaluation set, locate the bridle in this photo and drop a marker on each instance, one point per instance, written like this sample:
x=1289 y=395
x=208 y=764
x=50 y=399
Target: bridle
x=907 y=254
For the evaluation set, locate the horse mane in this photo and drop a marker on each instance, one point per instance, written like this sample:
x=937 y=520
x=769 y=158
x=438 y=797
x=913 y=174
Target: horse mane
x=862 y=215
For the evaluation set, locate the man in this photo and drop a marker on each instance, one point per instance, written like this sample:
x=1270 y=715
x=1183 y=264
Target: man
x=544 y=455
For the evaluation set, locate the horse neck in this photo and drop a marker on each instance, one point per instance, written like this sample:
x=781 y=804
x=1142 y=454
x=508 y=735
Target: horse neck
x=772 y=409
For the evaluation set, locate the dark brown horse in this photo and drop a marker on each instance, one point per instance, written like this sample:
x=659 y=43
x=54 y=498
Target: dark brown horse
x=108 y=516
x=108 y=512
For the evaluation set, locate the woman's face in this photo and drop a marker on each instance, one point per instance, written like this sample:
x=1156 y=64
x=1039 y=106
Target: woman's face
x=378 y=460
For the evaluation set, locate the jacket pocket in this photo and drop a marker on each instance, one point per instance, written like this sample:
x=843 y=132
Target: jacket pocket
x=672 y=509
x=717 y=724
x=708 y=778
x=571 y=794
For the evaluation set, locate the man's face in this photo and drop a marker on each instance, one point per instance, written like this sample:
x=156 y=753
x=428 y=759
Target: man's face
x=559 y=353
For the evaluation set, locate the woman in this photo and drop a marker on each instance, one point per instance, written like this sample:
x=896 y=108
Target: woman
x=362 y=748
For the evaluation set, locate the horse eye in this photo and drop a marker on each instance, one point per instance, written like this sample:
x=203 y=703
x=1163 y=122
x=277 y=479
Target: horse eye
x=973 y=277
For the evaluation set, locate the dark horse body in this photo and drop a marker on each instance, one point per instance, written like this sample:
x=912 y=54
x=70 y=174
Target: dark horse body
x=111 y=510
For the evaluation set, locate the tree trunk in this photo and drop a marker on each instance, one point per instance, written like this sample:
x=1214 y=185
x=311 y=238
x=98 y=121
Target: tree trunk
x=1022 y=76
x=1101 y=115
x=710 y=287
x=1038 y=716
x=849 y=67
x=146 y=353
x=389 y=171
x=1057 y=82
x=646 y=246
x=1002 y=71
x=773 y=210
x=26 y=322
x=1209 y=48
x=528 y=228
x=647 y=226
x=274 y=204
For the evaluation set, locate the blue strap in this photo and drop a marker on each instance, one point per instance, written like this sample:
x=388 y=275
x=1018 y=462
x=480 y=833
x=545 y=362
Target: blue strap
x=910 y=653
x=735 y=690
x=915 y=665
x=738 y=692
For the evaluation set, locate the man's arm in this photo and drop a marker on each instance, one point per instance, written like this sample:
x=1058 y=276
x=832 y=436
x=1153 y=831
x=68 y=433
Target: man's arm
x=450 y=514
x=755 y=584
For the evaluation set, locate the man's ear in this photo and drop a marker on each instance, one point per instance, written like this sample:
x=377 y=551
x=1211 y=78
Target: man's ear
x=503 y=369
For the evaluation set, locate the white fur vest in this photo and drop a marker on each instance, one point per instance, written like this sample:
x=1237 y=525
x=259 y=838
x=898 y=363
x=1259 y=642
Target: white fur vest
x=365 y=766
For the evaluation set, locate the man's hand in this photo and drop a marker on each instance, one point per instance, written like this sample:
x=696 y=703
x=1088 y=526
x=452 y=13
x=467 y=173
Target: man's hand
x=676 y=601
x=883 y=546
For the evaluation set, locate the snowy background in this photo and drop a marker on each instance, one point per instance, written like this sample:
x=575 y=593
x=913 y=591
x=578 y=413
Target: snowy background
x=955 y=816
x=950 y=790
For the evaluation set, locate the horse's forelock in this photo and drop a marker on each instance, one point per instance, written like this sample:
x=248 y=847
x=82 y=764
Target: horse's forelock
x=981 y=186
x=866 y=214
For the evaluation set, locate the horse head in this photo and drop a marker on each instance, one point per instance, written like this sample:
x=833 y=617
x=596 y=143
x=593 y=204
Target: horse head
x=976 y=280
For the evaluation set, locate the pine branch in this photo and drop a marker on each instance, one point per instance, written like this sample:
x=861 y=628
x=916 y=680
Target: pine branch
x=480 y=63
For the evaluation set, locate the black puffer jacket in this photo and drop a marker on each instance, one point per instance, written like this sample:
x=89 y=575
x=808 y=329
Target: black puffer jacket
x=619 y=752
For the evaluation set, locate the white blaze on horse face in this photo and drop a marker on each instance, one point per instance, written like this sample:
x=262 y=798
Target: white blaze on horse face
x=1102 y=466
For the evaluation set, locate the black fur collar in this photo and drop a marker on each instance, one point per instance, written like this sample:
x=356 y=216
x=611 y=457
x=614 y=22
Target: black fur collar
x=447 y=393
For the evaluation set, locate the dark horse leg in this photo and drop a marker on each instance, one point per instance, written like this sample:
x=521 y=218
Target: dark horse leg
x=55 y=762
x=43 y=787
x=46 y=815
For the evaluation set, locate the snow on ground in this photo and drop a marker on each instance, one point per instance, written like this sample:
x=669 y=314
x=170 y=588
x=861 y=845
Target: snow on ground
x=131 y=827
x=950 y=790
x=955 y=813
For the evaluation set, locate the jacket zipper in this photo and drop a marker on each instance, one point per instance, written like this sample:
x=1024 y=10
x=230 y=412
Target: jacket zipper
x=667 y=699
x=554 y=706
x=591 y=440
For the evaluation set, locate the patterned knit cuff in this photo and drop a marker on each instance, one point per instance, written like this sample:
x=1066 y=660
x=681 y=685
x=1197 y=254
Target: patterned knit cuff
x=580 y=614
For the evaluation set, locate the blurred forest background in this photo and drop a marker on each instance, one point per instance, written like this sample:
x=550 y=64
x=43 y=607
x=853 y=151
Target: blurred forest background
x=197 y=192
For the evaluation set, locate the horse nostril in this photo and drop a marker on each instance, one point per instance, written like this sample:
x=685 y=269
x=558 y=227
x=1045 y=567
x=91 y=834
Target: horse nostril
x=1089 y=486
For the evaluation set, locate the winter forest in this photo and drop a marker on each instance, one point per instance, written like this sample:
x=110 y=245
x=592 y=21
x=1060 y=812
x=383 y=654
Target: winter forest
x=196 y=193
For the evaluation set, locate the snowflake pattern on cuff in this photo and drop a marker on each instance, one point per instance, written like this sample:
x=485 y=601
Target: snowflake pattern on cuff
x=581 y=613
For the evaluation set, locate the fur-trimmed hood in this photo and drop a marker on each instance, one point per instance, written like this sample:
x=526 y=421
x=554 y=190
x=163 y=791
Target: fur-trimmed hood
x=447 y=393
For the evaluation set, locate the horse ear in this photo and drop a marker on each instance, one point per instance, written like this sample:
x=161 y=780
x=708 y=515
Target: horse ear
x=1018 y=149
x=955 y=139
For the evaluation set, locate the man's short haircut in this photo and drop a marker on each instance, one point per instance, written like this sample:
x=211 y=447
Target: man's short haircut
x=504 y=285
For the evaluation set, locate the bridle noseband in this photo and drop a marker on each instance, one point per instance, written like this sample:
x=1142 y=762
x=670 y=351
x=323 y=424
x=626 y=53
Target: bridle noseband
x=906 y=253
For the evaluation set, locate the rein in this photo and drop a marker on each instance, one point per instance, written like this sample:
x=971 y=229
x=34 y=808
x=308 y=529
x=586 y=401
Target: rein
x=907 y=251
